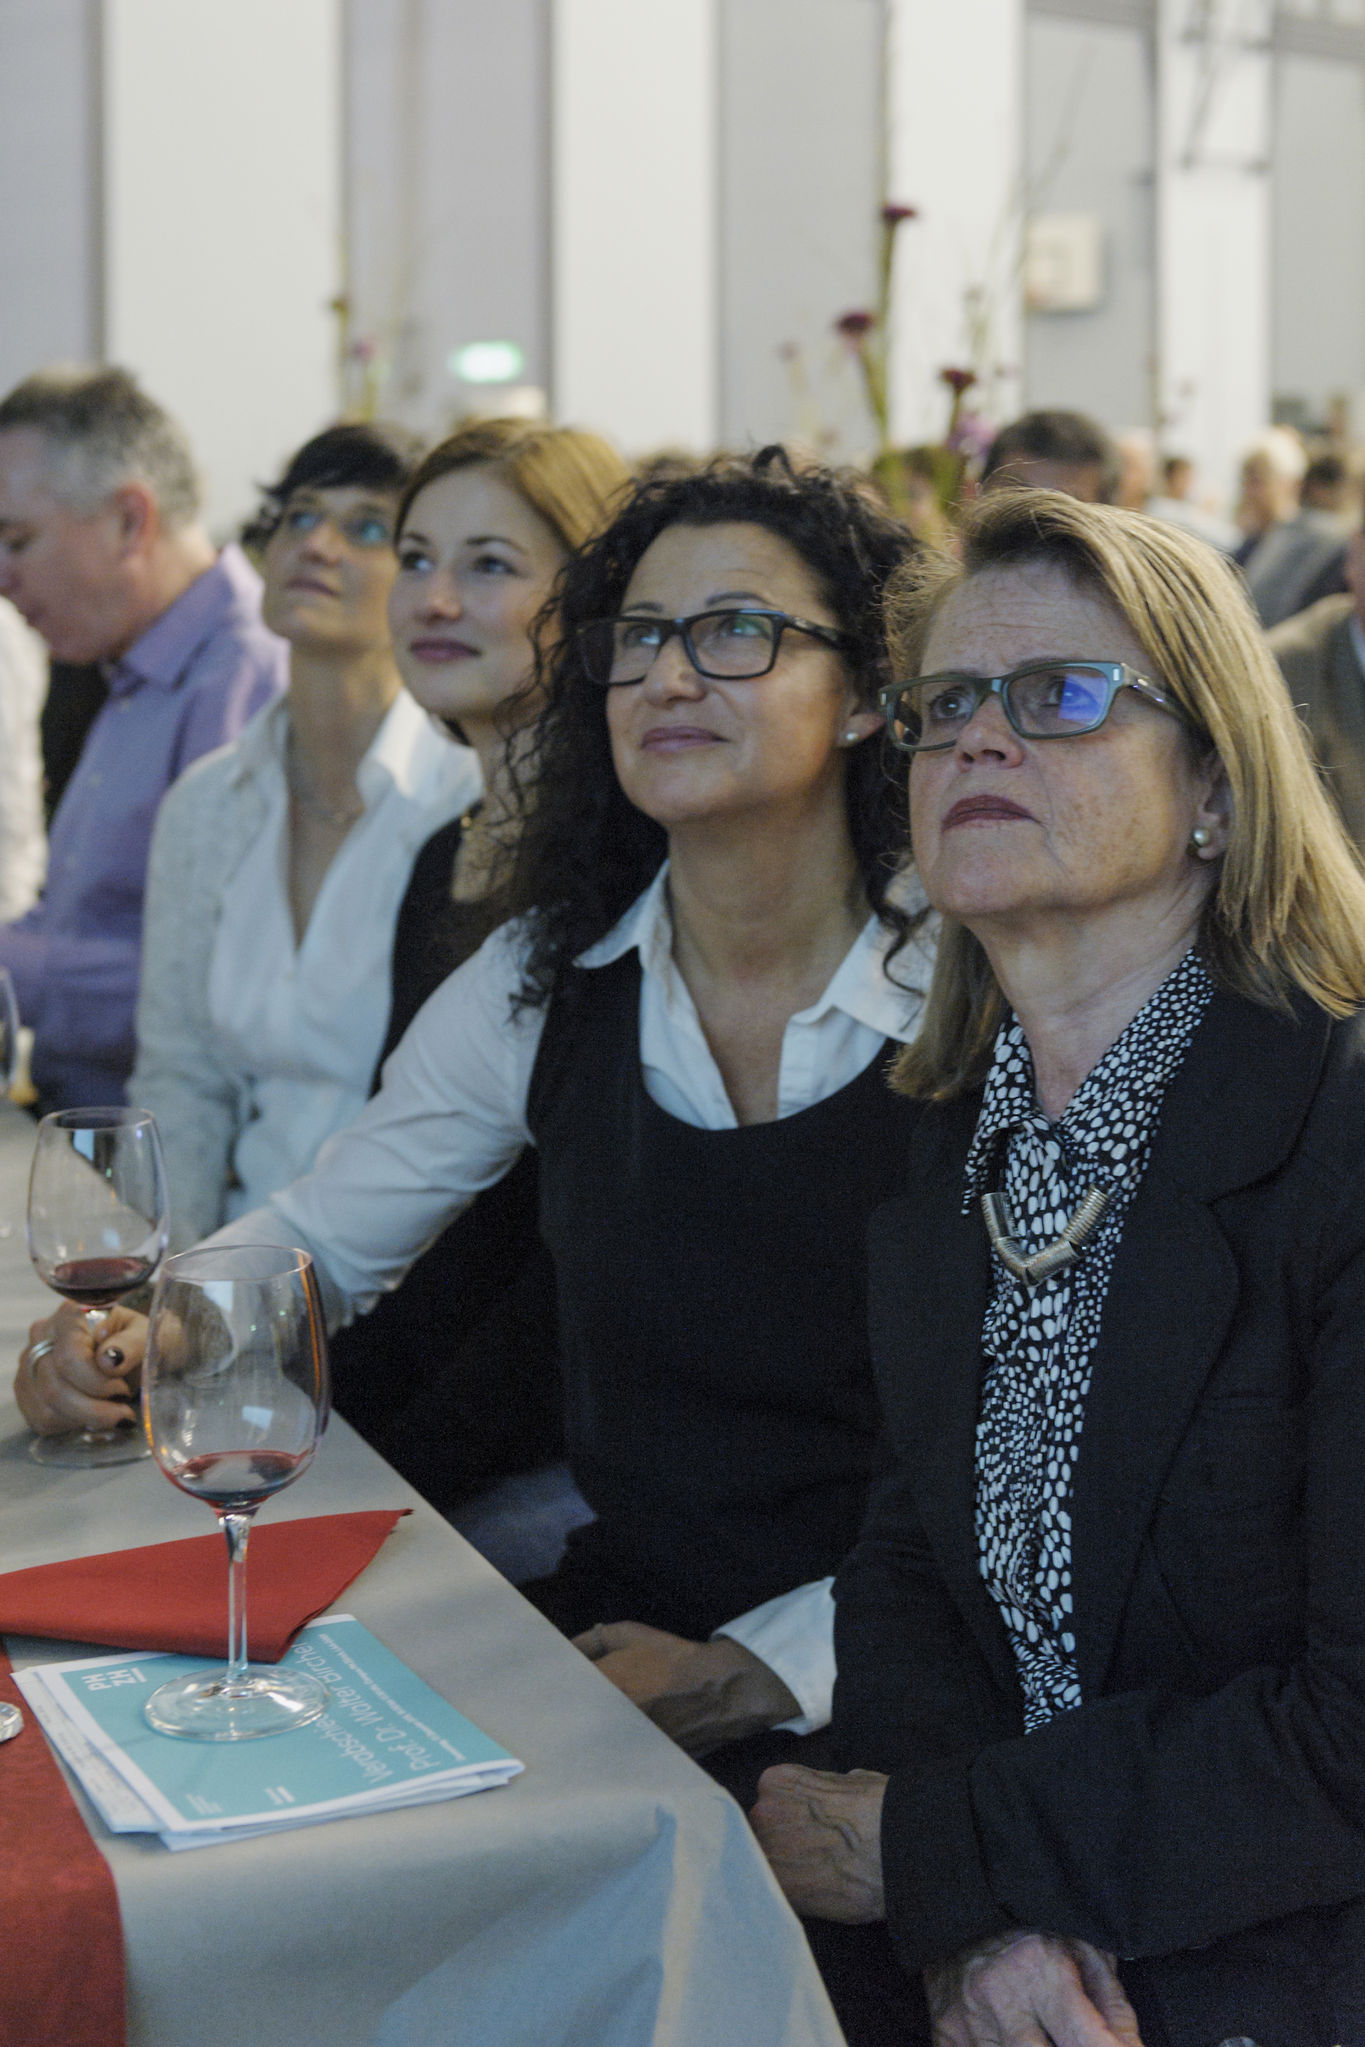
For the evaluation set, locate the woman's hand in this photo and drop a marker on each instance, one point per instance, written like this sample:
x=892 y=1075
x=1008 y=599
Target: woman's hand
x=73 y=1382
x=703 y=1694
x=822 y=1834
x=1022 y=1989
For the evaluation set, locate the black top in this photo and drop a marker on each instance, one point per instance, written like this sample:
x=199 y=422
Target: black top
x=75 y=696
x=720 y=1414
x=455 y=1376
x=432 y=934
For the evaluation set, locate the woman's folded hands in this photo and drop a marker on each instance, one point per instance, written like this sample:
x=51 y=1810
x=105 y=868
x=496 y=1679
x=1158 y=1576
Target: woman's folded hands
x=1023 y=1989
x=821 y=1831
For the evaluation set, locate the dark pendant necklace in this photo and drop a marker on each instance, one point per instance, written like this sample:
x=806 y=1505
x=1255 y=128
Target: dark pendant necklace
x=1054 y=1257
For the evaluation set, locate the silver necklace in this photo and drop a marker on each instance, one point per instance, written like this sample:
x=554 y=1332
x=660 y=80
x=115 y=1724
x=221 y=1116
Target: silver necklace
x=1064 y=1250
x=339 y=820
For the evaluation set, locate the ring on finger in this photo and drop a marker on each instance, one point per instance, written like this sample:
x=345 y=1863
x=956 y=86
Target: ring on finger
x=41 y=1349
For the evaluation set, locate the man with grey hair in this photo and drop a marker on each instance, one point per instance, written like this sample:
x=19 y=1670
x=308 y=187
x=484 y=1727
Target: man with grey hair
x=102 y=550
x=1294 y=553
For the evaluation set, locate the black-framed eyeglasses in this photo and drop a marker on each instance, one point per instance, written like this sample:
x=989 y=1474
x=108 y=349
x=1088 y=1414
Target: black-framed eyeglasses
x=733 y=645
x=1042 y=700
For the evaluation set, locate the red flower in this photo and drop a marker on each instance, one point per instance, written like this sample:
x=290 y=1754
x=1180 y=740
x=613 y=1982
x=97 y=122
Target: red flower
x=958 y=381
x=893 y=215
x=853 y=326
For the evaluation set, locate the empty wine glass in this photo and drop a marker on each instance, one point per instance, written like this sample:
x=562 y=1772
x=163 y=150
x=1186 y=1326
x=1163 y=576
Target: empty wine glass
x=97 y=1228
x=234 y=1399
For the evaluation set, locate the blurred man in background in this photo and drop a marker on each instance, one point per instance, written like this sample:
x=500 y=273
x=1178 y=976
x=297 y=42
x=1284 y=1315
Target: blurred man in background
x=103 y=552
x=1321 y=653
x=1293 y=553
x=1055 y=451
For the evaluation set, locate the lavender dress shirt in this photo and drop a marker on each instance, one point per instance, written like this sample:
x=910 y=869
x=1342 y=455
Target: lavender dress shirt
x=189 y=684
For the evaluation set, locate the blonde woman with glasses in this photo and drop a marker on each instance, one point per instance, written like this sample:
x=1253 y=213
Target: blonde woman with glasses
x=1101 y=1646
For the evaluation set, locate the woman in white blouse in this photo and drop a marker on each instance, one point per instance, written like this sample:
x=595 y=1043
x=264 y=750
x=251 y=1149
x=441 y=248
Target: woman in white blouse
x=690 y=1019
x=457 y=1401
x=279 y=862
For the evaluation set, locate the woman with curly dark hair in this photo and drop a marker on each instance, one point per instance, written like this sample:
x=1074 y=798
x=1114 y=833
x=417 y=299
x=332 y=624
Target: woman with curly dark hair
x=689 y=1015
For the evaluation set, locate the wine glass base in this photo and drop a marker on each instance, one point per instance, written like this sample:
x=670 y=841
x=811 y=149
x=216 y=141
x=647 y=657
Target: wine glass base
x=89 y=1452
x=203 y=1706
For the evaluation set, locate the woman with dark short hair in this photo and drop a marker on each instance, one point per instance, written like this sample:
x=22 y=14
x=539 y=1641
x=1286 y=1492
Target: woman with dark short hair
x=278 y=863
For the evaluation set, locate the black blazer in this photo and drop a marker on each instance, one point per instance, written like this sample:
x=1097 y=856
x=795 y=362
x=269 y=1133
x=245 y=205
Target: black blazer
x=1204 y=1809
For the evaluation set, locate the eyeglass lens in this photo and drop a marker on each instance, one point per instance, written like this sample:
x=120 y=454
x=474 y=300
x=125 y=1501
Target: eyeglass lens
x=1041 y=703
x=739 y=644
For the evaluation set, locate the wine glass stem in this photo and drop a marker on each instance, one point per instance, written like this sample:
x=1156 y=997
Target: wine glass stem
x=236 y=1527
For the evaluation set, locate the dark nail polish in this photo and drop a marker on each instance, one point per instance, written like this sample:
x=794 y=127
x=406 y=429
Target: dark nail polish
x=113 y=1356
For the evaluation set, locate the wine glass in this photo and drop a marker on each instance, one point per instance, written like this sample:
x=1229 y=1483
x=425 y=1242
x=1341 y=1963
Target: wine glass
x=234 y=1399
x=97 y=1226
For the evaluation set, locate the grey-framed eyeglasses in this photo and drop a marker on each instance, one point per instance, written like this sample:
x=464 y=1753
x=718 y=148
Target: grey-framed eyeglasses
x=1041 y=700
x=733 y=645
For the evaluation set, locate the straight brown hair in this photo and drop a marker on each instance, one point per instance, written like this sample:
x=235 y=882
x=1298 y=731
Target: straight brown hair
x=572 y=478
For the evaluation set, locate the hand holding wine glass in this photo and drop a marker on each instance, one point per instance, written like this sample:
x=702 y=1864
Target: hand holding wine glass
x=98 y=1221
x=234 y=1399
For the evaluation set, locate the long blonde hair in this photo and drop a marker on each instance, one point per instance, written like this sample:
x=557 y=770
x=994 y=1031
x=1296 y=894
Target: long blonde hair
x=1288 y=909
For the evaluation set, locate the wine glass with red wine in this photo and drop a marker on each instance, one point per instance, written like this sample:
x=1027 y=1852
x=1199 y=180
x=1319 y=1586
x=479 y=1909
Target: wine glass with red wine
x=97 y=1228
x=234 y=1399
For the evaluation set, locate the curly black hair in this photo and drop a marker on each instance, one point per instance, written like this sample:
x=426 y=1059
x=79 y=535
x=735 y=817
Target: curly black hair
x=584 y=852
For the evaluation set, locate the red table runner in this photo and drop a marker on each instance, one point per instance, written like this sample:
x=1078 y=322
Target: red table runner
x=61 y=1939
x=61 y=1973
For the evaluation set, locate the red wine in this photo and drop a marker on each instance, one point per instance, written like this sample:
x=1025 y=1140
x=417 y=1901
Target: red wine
x=233 y=1480
x=99 y=1282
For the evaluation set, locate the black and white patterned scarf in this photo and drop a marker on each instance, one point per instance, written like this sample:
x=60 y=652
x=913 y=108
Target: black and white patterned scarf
x=1038 y=1347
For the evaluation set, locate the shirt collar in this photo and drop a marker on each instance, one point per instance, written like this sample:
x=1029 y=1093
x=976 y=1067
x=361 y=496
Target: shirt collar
x=1128 y=1083
x=410 y=752
x=415 y=754
x=165 y=650
x=860 y=986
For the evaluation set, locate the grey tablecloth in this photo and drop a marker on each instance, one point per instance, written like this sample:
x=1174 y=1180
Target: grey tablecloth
x=612 y=1896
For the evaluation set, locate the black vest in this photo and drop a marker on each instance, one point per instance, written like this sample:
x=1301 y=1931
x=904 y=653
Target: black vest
x=720 y=1414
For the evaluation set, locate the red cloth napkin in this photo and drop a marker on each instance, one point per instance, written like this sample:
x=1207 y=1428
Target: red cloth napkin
x=61 y=1979
x=173 y=1595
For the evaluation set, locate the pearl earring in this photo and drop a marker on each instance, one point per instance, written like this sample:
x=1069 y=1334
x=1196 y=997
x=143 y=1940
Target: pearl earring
x=1199 y=838
x=850 y=738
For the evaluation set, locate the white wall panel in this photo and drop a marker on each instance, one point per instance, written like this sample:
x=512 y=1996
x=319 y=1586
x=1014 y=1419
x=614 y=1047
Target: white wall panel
x=222 y=182
x=800 y=159
x=634 y=219
x=447 y=145
x=1318 y=235
x=49 y=162
x=1090 y=139
x=1213 y=232
x=955 y=150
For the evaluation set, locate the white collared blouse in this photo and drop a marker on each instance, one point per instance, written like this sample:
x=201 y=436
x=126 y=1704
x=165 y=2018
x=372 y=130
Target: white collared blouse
x=450 y=1120
x=252 y=1047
